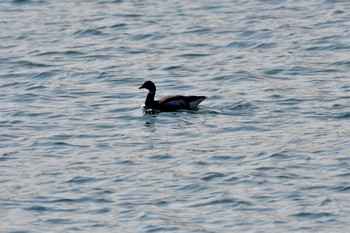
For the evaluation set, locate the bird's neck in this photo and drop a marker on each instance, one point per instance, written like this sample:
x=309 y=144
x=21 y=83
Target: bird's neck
x=150 y=99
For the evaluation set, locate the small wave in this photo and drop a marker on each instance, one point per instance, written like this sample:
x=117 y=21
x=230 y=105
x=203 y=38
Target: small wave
x=346 y=174
x=212 y=176
x=26 y=1
x=88 y=32
x=223 y=201
x=161 y=157
x=42 y=75
x=118 y=25
x=63 y=53
x=32 y=64
x=199 y=31
x=38 y=208
x=36 y=88
x=81 y=200
x=342 y=189
x=193 y=55
x=259 y=34
x=173 y=68
x=126 y=162
x=6 y=156
x=241 y=45
x=265 y=46
x=345 y=115
x=150 y=37
x=310 y=215
x=59 y=221
x=328 y=47
x=221 y=78
x=193 y=188
x=131 y=15
x=100 y=211
x=279 y=155
x=82 y=180
x=273 y=71
x=290 y=101
x=152 y=228
x=341 y=63
x=227 y=157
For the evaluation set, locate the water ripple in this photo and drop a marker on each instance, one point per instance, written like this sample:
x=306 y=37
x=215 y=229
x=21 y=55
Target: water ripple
x=268 y=149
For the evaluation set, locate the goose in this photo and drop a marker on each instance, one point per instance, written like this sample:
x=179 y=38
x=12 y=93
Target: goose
x=169 y=103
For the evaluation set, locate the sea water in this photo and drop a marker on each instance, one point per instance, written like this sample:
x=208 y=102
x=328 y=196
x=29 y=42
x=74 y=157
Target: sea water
x=268 y=151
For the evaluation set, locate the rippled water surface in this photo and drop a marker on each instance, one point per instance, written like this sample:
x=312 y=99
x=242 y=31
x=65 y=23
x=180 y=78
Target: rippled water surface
x=268 y=151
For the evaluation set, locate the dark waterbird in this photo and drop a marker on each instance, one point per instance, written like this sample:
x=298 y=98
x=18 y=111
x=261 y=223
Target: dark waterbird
x=169 y=103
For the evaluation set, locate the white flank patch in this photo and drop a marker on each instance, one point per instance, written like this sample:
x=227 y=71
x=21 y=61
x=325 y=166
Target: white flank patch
x=195 y=103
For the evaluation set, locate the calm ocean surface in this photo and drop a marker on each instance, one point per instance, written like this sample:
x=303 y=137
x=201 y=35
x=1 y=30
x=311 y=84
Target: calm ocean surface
x=268 y=151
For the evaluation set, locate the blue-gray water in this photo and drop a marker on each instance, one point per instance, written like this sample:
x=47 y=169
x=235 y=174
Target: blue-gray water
x=268 y=151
